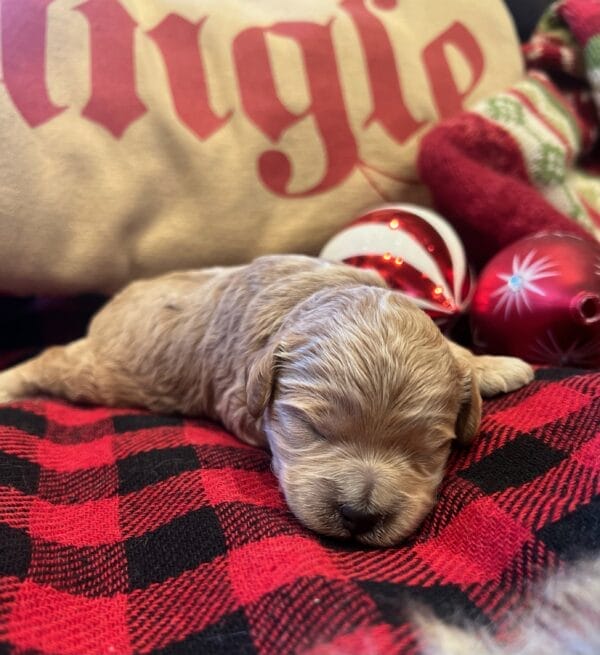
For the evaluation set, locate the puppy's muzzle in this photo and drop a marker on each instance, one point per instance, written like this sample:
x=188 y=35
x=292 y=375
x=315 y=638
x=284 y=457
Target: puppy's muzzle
x=358 y=521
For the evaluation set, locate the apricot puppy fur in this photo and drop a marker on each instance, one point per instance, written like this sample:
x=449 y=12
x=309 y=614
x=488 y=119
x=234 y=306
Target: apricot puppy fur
x=353 y=388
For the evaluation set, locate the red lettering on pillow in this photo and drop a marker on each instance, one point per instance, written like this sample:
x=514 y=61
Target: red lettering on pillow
x=259 y=96
x=177 y=39
x=448 y=98
x=327 y=106
x=389 y=105
x=114 y=102
x=23 y=26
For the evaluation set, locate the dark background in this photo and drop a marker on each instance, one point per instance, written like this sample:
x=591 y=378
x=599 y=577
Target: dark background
x=526 y=14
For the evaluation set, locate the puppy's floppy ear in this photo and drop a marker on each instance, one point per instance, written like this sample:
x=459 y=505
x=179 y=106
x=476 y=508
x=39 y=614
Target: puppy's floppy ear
x=260 y=379
x=469 y=414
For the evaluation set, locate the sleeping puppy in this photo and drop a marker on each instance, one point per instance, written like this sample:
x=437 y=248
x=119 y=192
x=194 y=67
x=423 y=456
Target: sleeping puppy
x=353 y=388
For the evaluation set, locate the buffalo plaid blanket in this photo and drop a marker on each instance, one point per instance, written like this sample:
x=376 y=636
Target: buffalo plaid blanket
x=123 y=532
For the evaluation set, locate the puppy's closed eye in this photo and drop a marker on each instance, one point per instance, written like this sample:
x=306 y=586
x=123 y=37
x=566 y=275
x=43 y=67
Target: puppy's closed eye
x=309 y=425
x=316 y=433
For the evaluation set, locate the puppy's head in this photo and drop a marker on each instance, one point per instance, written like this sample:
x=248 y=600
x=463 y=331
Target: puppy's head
x=361 y=399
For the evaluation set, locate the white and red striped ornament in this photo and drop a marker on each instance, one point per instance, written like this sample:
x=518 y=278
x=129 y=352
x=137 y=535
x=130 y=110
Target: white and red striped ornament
x=417 y=253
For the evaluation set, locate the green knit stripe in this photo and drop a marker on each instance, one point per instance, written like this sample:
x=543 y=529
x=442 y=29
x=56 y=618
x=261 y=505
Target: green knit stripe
x=563 y=197
x=544 y=153
x=554 y=112
x=551 y=24
x=592 y=52
x=587 y=189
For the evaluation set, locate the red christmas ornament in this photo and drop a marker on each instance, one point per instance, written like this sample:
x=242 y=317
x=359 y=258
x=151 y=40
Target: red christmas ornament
x=416 y=251
x=539 y=299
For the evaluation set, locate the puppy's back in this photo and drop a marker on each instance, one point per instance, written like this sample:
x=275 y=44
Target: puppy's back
x=185 y=340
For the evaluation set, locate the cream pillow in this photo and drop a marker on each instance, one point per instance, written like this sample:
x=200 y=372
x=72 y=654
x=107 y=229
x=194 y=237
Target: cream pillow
x=139 y=136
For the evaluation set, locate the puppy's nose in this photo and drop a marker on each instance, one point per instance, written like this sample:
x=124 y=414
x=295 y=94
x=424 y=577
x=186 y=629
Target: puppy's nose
x=357 y=521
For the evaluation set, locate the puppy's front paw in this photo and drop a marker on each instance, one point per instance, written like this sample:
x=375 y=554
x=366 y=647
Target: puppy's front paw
x=10 y=387
x=6 y=397
x=502 y=374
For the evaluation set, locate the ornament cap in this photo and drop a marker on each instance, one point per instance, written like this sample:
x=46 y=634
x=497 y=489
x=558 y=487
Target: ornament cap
x=585 y=308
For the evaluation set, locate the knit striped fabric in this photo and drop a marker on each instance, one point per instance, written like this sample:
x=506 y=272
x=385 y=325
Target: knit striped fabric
x=526 y=159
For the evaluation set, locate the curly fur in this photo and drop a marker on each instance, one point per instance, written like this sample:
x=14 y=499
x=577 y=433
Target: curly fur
x=352 y=387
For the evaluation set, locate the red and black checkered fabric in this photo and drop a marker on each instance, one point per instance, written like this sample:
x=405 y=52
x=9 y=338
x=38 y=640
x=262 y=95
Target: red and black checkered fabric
x=123 y=532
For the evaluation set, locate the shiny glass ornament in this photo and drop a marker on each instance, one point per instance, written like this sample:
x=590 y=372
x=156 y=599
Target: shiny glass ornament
x=416 y=251
x=539 y=299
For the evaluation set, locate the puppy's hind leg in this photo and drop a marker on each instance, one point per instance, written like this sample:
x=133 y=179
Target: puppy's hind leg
x=68 y=372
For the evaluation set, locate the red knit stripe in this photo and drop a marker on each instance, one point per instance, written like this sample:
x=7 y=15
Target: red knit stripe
x=160 y=614
x=462 y=560
x=232 y=486
x=561 y=100
x=87 y=524
x=583 y=17
x=258 y=568
x=541 y=409
x=72 y=625
x=15 y=507
x=73 y=457
x=524 y=99
x=152 y=507
x=106 y=450
x=589 y=455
